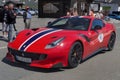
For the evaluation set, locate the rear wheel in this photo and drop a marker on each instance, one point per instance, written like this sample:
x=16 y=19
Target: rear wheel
x=75 y=55
x=111 y=42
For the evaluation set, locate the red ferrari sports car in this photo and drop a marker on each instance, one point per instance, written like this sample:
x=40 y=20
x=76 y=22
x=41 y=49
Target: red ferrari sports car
x=65 y=42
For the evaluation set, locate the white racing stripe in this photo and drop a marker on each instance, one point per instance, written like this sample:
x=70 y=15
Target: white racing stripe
x=31 y=37
x=40 y=38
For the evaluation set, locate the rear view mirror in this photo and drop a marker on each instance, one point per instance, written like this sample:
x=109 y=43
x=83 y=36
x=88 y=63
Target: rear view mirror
x=49 y=23
x=106 y=18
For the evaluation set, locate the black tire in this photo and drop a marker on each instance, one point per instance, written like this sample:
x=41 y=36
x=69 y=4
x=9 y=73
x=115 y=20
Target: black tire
x=75 y=55
x=111 y=42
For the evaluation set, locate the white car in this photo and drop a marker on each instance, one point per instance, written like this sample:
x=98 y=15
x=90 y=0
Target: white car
x=19 y=12
x=32 y=12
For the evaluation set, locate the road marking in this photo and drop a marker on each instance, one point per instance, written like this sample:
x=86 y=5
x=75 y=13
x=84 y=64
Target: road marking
x=3 y=47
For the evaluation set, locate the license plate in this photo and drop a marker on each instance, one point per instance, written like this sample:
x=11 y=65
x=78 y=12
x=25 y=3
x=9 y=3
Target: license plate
x=23 y=59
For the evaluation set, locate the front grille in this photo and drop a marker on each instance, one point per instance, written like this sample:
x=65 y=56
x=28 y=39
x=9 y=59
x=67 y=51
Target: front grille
x=33 y=56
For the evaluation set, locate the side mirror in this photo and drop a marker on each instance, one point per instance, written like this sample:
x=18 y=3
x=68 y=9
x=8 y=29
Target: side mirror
x=107 y=18
x=49 y=23
x=97 y=27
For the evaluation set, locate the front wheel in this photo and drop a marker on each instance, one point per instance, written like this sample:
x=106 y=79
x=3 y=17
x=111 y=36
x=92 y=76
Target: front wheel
x=111 y=42
x=75 y=55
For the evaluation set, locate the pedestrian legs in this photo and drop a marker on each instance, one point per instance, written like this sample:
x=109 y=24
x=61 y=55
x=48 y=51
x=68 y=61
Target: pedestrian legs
x=3 y=28
x=10 y=32
x=14 y=27
x=27 y=23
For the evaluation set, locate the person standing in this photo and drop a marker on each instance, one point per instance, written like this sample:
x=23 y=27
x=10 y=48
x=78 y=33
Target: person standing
x=101 y=15
x=91 y=13
x=68 y=13
x=14 y=26
x=4 y=20
x=27 y=16
x=11 y=16
x=75 y=13
x=97 y=15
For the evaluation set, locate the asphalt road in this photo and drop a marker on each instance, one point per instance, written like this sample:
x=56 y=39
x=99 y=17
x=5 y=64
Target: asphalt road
x=104 y=66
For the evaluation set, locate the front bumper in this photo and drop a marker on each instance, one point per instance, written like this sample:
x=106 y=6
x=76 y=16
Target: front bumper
x=37 y=60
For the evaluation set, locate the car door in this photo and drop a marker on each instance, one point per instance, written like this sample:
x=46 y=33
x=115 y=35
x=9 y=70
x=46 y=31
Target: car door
x=96 y=34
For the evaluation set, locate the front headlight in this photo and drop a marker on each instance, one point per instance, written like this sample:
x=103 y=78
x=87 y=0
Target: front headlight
x=55 y=43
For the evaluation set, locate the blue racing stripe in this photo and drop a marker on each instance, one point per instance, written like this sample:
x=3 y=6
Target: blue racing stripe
x=34 y=38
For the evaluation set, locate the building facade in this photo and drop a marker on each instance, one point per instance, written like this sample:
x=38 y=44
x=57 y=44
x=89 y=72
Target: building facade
x=31 y=3
x=57 y=8
x=108 y=5
x=22 y=3
x=53 y=8
x=17 y=3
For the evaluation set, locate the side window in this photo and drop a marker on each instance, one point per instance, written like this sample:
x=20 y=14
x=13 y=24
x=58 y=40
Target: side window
x=97 y=22
x=60 y=22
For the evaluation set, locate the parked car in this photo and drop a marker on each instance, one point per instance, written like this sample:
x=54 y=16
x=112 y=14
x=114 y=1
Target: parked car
x=19 y=11
x=114 y=16
x=32 y=12
x=36 y=11
x=116 y=12
x=65 y=42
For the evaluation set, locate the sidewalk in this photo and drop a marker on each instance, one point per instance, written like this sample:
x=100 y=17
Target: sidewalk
x=114 y=21
x=35 y=22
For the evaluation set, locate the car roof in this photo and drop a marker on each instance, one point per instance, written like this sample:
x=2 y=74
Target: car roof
x=89 y=17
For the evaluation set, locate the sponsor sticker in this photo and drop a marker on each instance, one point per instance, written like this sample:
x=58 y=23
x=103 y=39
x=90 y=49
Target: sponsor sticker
x=101 y=37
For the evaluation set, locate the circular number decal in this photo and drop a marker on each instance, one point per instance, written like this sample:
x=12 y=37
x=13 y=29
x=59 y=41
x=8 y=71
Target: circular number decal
x=100 y=37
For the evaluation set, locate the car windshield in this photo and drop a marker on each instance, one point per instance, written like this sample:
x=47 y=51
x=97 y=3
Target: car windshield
x=73 y=23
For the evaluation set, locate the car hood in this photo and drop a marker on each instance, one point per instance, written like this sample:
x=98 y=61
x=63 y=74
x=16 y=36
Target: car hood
x=32 y=40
